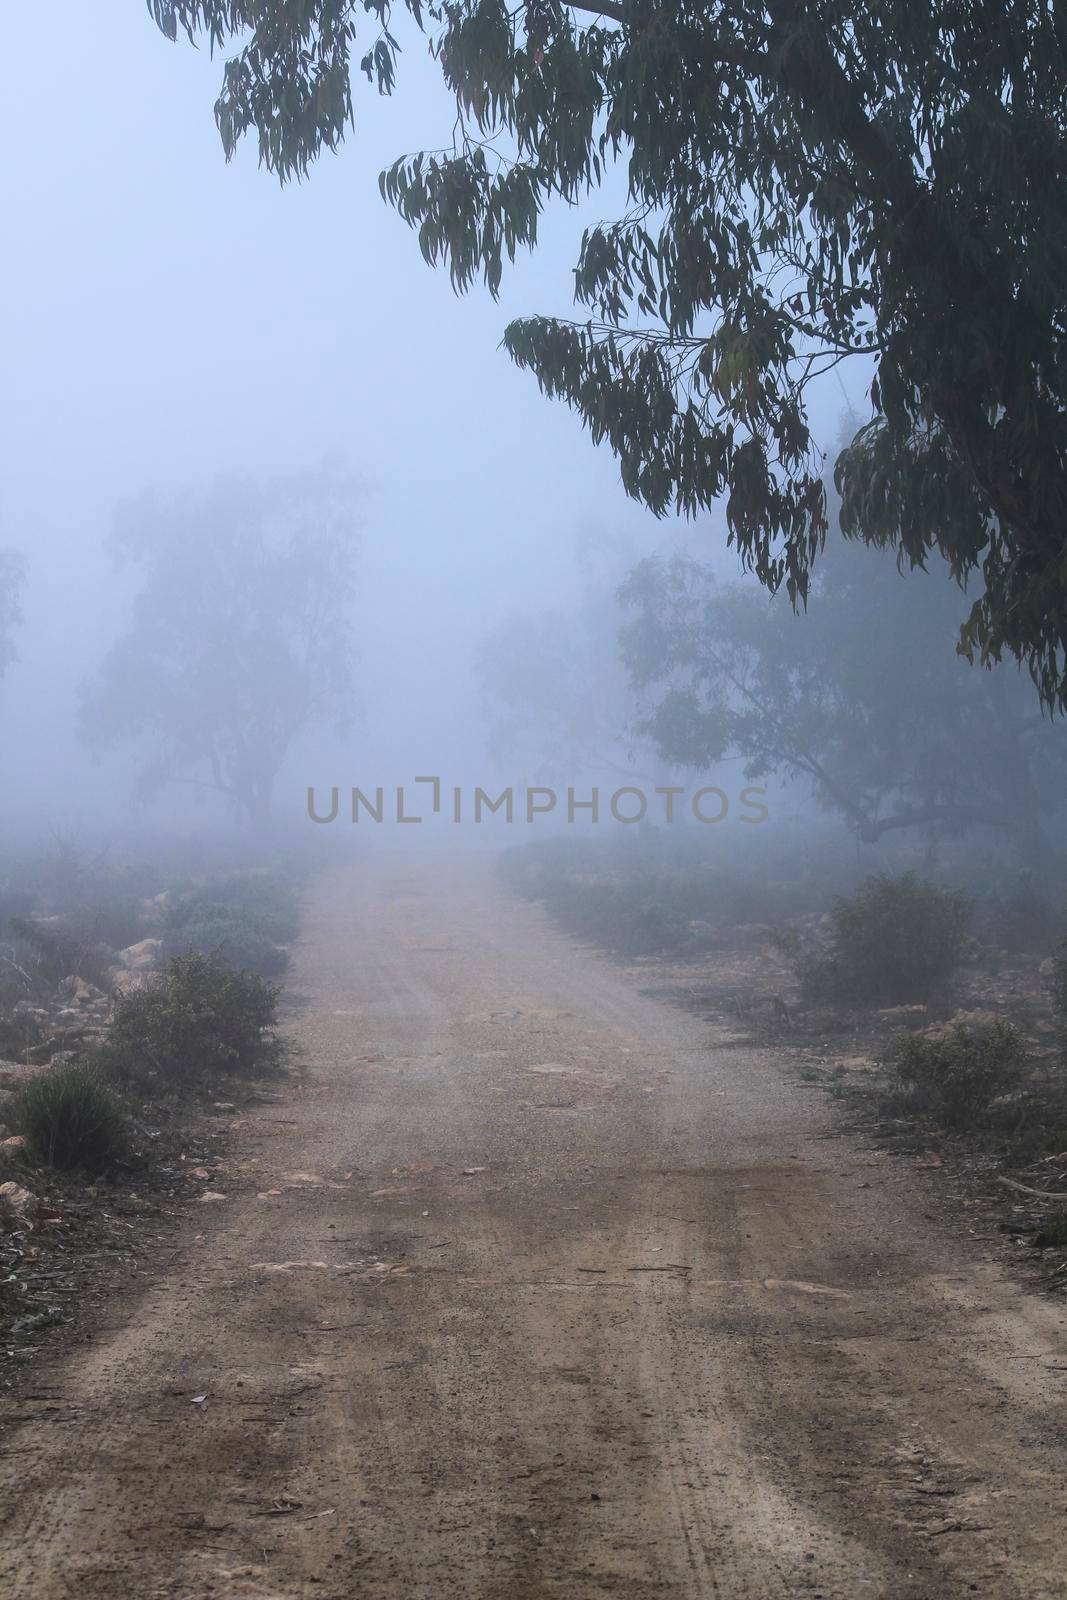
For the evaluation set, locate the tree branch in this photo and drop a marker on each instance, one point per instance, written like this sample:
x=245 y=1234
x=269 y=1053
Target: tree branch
x=871 y=831
x=603 y=9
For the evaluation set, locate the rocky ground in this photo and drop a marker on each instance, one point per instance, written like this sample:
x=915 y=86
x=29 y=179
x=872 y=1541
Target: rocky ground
x=68 y=1246
x=72 y=1247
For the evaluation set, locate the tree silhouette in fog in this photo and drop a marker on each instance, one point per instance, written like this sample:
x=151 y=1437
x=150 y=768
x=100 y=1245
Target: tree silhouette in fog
x=865 y=700
x=555 y=693
x=240 y=636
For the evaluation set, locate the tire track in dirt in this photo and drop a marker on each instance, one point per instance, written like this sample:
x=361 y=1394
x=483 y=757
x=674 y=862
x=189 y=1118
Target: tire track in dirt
x=551 y=1302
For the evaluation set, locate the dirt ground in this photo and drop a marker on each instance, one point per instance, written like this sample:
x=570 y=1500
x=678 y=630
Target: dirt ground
x=526 y=1292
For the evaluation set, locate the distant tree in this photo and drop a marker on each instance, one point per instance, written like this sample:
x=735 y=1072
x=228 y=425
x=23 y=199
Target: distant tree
x=808 y=180
x=241 y=634
x=555 y=692
x=553 y=684
x=865 y=700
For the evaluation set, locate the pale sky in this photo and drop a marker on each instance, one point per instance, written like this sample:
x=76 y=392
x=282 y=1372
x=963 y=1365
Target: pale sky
x=171 y=318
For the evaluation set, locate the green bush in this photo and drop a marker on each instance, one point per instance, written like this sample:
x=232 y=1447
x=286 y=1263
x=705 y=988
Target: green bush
x=894 y=942
x=243 y=918
x=197 y=1019
x=237 y=942
x=952 y=1078
x=71 y=1118
x=263 y=900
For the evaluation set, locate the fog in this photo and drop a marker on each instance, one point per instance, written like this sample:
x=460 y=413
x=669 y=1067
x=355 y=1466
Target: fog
x=173 y=320
x=187 y=333
x=533 y=1034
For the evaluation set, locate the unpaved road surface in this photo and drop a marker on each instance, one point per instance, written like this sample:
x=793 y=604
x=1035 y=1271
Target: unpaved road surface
x=528 y=1292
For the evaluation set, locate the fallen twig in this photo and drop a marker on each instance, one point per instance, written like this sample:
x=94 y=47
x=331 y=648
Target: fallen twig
x=1024 y=1188
x=671 y=1266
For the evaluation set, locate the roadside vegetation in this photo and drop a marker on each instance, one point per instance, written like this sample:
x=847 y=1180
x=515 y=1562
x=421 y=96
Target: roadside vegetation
x=956 y=1077
x=926 y=989
x=896 y=940
x=132 y=999
x=197 y=1021
x=70 y=1117
x=248 y=920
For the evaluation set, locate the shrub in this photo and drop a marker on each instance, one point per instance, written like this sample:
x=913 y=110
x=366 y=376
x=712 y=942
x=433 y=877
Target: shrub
x=1017 y=915
x=1052 y=1234
x=953 y=1077
x=70 y=1117
x=895 y=941
x=112 y=916
x=262 y=900
x=19 y=1031
x=197 y=1019
x=48 y=954
x=237 y=942
x=244 y=919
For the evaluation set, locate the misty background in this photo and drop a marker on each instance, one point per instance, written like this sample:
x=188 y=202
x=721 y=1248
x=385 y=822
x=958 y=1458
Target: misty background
x=173 y=320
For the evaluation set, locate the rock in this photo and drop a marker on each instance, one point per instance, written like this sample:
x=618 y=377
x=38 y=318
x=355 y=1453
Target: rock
x=13 y=1146
x=143 y=956
x=961 y=1019
x=904 y=1014
x=82 y=993
x=18 y=1206
x=125 y=982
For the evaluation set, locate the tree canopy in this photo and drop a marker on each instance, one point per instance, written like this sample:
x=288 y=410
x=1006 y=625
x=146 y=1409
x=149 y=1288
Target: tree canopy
x=806 y=183
x=240 y=636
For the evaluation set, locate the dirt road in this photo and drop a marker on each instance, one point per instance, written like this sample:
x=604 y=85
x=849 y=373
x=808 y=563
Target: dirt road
x=530 y=1293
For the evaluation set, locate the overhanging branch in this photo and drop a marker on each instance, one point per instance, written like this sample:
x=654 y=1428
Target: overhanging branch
x=606 y=9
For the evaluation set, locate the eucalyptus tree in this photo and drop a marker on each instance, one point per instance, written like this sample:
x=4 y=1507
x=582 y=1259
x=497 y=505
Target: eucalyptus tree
x=864 y=700
x=240 y=636
x=808 y=181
